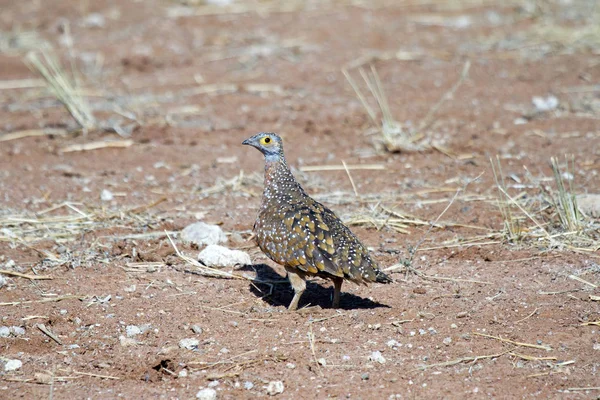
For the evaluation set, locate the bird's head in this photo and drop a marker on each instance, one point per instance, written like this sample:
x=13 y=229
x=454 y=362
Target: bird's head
x=270 y=144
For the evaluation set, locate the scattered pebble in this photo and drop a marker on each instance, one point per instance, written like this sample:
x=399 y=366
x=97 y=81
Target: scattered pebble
x=393 y=343
x=290 y=365
x=4 y=331
x=447 y=341
x=422 y=331
x=106 y=195
x=453 y=326
x=219 y=256
x=274 y=388
x=248 y=385
x=432 y=331
x=365 y=376
x=588 y=204
x=213 y=384
x=17 y=331
x=322 y=361
x=462 y=314
x=543 y=104
x=202 y=234
x=94 y=20
x=130 y=289
x=12 y=365
x=133 y=330
x=189 y=343
x=183 y=373
x=2 y=280
x=197 y=329
x=126 y=342
x=207 y=394
x=376 y=356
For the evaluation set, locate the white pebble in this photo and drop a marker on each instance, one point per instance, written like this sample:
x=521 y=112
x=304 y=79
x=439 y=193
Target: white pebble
x=4 y=331
x=447 y=341
x=12 y=365
x=202 y=234
x=189 y=343
x=106 y=195
x=275 y=387
x=376 y=356
x=132 y=330
x=207 y=394
x=248 y=385
x=218 y=256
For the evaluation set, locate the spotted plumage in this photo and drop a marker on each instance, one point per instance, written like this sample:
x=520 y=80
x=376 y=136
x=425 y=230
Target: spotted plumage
x=301 y=234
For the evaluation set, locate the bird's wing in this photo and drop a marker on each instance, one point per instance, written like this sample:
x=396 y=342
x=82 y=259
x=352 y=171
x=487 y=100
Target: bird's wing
x=320 y=242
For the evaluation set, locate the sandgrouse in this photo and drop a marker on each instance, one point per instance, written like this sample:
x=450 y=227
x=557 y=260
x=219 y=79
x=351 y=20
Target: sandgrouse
x=301 y=234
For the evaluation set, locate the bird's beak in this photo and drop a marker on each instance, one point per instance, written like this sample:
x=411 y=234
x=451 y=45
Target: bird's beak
x=247 y=142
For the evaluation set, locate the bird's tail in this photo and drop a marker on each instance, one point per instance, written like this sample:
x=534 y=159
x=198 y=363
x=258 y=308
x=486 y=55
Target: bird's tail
x=380 y=277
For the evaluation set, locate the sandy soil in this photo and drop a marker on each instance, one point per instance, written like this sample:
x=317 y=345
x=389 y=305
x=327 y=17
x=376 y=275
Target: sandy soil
x=476 y=316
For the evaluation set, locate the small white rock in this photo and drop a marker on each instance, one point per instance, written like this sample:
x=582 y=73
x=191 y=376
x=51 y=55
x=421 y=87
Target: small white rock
x=376 y=356
x=4 y=331
x=207 y=394
x=202 y=234
x=447 y=341
x=106 y=195
x=543 y=104
x=219 y=256
x=189 y=343
x=290 y=365
x=133 y=330
x=322 y=361
x=12 y=365
x=248 y=385
x=17 y=331
x=2 y=280
x=197 y=329
x=183 y=373
x=275 y=387
x=94 y=20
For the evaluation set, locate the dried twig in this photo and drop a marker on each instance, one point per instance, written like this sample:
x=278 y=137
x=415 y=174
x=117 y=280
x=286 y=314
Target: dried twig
x=49 y=333
x=535 y=346
x=26 y=276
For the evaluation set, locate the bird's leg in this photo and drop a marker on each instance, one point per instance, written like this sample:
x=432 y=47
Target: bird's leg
x=298 y=284
x=337 y=288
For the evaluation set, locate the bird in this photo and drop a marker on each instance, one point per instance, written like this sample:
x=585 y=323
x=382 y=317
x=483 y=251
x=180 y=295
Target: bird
x=301 y=234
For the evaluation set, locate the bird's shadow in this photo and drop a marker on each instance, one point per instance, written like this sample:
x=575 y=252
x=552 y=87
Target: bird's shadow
x=281 y=293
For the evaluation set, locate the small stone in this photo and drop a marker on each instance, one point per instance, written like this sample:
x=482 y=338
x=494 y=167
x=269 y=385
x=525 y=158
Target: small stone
x=588 y=204
x=213 y=384
x=543 y=104
x=189 y=343
x=202 y=234
x=365 y=376
x=3 y=280
x=275 y=387
x=63 y=312
x=207 y=394
x=376 y=356
x=322 y=361
x=94 y=20
x=183 y=373
x=197 y=329
x=133 y=330
x=248 y=385
x=130 y=289
x=393 y=343
x=4 y=331
x=12 y=365
x=596 y=346
x=462 y=314
x=432 y=331
x=106 y=195
x=126 y=342
x=422 y=331
x=219 y=256
x=453 y=326
x=290 y=365
x=17 y=331
x=447 y=341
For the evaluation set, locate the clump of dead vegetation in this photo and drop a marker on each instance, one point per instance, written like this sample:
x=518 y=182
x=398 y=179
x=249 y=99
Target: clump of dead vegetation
x=395 y=136
x=547 y=213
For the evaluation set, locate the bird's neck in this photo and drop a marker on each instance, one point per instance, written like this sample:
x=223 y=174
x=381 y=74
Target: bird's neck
x=278 y=178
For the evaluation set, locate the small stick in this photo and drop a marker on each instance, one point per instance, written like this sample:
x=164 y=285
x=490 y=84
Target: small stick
x=350 y=177
x=574 y=277
x=535 y=346
x=97 y=145
x=314 y=321
x=576 y=389
x=530 y=358
x=311 y=338
x=530 y=315
x=459 y=361
x=32 y=133
x=67 y=297
x=26 y=276
x=50 y=334
x=97 y=376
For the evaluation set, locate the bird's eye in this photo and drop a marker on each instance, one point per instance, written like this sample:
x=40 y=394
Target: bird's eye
x=266 y=140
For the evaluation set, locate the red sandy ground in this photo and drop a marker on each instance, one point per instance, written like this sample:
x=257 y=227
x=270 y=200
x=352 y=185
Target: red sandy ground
x=518 y=292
